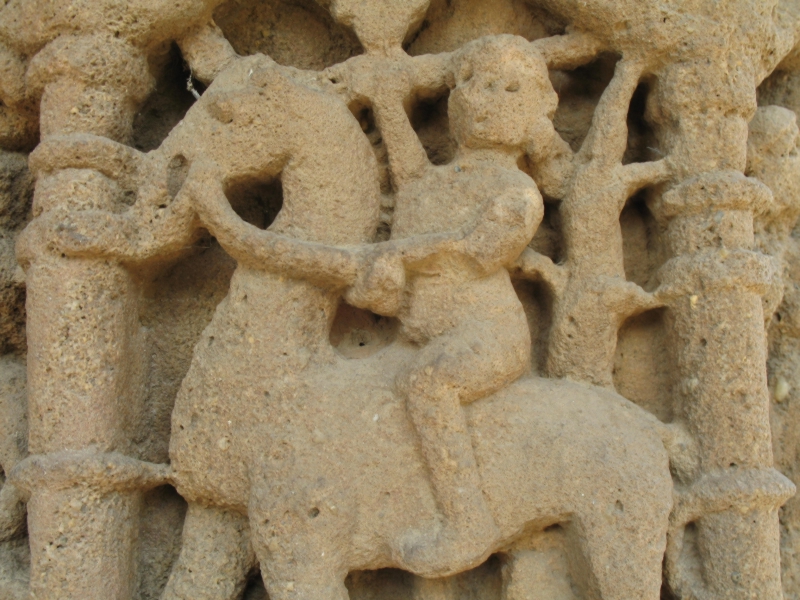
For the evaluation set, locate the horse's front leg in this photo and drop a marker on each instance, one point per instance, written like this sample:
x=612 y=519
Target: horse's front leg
x=215 y=559
x=300 y=542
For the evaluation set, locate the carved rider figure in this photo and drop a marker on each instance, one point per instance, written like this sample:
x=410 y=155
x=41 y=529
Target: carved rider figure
x=459 y=305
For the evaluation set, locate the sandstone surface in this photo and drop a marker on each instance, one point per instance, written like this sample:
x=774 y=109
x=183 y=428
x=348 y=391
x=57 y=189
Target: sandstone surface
x=399 y=299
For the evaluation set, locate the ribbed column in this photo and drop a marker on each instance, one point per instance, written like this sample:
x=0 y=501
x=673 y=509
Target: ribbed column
x=84 y=359
x=713 y=289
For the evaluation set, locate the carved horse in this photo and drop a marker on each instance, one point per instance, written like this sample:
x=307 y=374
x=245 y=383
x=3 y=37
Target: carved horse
x=292 y=454
x=316 y=448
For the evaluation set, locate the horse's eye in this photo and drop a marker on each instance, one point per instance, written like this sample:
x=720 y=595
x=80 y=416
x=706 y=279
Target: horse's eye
x=513 y=86
x=466 y=75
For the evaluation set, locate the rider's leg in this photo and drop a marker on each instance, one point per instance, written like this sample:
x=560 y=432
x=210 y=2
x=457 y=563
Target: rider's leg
x=460 y=366
x=435 y=410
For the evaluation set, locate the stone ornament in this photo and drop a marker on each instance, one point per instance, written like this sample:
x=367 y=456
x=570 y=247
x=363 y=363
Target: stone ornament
x=359 y=386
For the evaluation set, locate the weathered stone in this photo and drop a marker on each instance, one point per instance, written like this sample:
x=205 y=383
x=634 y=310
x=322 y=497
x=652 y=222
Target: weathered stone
x=399 y=299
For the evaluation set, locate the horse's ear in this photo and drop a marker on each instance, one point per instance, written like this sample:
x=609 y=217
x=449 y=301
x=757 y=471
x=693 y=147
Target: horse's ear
x=270 y=77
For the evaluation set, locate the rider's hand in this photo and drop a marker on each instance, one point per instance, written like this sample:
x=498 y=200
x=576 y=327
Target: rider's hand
x=380 y=284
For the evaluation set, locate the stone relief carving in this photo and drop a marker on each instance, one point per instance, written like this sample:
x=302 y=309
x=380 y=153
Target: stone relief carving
x=370 y=347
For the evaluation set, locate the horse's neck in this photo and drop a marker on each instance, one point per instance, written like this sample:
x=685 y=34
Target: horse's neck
x=279 y=314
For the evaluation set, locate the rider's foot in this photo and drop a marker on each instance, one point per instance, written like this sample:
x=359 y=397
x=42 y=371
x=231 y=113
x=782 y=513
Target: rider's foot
x=460 y=544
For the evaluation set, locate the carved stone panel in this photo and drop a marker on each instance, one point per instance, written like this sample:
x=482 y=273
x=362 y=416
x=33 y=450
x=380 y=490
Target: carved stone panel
x=399 y=299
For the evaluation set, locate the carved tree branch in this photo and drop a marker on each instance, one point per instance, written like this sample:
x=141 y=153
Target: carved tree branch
x=626 y=299
x=608 y=136
x=636 y=176
x=569 y=51
x=596 y=297
x=537 y=267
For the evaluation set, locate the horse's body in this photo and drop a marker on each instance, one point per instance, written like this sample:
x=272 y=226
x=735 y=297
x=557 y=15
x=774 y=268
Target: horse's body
x=328 y=467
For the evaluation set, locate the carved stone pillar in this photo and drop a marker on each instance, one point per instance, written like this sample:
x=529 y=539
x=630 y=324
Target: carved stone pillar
x=85 y=359
x=728 y=494
x=713 y=288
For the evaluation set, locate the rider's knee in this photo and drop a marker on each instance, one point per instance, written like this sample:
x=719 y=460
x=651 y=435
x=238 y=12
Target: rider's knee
x=429 y=381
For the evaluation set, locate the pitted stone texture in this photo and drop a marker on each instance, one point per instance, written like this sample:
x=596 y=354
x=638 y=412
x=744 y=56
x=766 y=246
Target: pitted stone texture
x=398 y=299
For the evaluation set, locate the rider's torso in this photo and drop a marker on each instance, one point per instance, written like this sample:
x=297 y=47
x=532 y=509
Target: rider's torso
x=445 y=198
x=434 y=304
x=448 y=289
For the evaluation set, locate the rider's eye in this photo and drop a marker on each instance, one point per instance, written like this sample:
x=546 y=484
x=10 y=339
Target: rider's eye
x=513 y=86
x=466 y=75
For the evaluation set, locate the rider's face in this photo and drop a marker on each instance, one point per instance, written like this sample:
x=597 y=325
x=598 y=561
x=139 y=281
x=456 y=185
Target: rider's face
x=497 y=100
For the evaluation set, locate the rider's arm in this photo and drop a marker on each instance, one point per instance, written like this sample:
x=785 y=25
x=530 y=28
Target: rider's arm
x=322 y=265
x=504 y=229
x=497 y=237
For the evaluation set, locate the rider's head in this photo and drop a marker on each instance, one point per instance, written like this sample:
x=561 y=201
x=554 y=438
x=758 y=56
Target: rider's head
x=502 y=95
